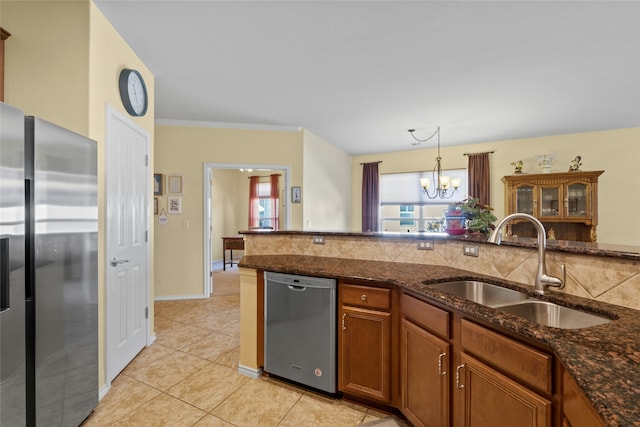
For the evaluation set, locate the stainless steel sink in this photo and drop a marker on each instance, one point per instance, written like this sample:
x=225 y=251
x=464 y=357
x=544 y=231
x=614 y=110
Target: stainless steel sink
x=518 y=303
x=554 y=315
x=481 y=293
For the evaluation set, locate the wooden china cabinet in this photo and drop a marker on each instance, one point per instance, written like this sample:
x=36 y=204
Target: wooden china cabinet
x=4 y=34
x=565 y=202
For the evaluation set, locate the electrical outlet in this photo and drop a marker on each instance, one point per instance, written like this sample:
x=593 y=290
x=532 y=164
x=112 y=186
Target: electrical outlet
x=425 y=245
x=318 y=240
x=470 y=250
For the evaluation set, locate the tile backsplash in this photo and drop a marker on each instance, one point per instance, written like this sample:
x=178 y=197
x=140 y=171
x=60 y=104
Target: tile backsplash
x=608 y=279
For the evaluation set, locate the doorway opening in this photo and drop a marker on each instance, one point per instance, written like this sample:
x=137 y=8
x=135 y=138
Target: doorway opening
x=226 y=207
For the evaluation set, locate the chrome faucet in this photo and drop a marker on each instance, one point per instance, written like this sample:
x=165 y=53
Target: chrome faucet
x=542 y=279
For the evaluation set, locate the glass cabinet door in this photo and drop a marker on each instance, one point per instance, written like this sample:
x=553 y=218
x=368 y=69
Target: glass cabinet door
x=577 y=200
x=550 y=198
x=524 y=199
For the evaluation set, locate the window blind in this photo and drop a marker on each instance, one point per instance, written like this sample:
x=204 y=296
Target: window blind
x=404 y=188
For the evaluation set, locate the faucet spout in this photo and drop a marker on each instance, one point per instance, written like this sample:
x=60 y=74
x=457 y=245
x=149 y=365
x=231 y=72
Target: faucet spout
x=542 y=278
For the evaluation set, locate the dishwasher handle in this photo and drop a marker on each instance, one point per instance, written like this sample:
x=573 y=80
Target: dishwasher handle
x=297 y=288
x=299 y=283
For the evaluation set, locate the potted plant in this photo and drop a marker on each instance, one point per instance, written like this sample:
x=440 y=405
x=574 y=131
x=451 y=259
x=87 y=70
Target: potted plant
x=454 y=220
x=478 y=217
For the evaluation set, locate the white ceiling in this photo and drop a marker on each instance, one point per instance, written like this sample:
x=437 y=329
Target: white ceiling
x=360 y=73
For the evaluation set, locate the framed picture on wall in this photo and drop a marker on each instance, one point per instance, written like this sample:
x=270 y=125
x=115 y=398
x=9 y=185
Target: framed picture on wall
x=157 y=184
x=155 y=206
x=174 y=184
x=174 y=205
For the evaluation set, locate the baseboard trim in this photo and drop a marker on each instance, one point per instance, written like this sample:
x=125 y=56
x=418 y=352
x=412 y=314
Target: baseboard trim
x=178 y=297
x=249 y=372
x=151 y=339
x=103 y=391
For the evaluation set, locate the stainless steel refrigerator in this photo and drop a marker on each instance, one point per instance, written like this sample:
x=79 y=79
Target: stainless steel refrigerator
x=49 y=243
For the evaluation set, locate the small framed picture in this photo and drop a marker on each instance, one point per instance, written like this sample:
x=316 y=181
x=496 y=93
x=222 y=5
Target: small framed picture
x=157 y=184
x=174 y=184
x=174 y=205
x=296 y=195
x=155 y=206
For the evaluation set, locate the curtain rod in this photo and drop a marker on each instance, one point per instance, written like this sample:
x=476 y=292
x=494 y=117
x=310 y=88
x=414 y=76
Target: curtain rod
x=484 y=152
x=379 y=161
x=264 y=176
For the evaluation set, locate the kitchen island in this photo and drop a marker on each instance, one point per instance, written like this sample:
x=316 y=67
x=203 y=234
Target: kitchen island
x=603 y=360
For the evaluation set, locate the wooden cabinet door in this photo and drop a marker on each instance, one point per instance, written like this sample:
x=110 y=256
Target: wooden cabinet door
x=550 y=202
x=364 y=349
x=492 y=399
x=577 y=409
x=577 y=200
x=523 y=199
x=424 y=376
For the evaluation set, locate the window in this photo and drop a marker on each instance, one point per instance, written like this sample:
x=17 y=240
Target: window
x=405 y=208
x=266 y=218
x=264 y=201
x=406 y=211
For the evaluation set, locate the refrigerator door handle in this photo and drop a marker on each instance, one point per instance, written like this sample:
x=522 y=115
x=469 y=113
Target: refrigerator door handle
x=4 y=273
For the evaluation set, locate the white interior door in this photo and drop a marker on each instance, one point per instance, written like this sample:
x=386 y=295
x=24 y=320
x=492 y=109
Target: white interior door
x=127 y=222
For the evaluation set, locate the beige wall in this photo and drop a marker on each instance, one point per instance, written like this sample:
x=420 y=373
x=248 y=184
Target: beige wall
x=225 y=204
x=109 y=54
x=326 y=194
x=47 y=60
x=184 y=150
x=62 y=64
x=617 y=152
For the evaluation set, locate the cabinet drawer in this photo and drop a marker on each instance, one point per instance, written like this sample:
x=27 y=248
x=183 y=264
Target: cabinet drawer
x=425 y=315
x=366 y=296
x=512 y=357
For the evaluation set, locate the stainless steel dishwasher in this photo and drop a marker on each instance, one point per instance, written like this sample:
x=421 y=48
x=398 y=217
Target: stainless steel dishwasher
x=300 y=329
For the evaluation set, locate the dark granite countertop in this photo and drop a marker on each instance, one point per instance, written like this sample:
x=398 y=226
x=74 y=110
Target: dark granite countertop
x=604 y=360
x=586 y=248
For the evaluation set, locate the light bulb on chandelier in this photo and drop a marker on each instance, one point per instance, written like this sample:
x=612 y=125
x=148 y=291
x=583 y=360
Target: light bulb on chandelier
x=444 y=182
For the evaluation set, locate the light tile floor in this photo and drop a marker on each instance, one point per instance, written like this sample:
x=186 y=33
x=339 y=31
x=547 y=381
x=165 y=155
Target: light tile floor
x=189 y=377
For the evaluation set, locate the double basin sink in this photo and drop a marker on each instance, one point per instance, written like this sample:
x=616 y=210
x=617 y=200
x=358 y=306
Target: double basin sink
x=520 y=304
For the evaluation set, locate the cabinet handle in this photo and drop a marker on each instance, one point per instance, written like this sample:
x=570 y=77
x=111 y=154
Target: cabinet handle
x=363 y=297
x=344 y=325
x=440 y=364
x=460 y=386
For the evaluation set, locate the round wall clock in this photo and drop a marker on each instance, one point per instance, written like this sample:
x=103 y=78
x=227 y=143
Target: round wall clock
x=133 y=92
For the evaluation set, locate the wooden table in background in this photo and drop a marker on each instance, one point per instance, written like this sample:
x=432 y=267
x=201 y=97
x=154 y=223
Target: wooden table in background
x=231 y=243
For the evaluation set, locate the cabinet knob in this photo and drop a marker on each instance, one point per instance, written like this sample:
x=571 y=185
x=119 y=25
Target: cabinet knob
x=363 y=297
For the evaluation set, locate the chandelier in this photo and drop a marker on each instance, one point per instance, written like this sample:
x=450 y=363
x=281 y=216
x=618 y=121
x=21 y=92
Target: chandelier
x=444 y=183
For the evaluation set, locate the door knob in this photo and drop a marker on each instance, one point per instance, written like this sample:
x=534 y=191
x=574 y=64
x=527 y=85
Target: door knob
x=116 y=261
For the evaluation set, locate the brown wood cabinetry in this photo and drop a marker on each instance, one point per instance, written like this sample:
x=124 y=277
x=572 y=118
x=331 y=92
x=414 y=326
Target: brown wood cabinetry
x=566 y=202
x=4 y=34
x=425 y=363
x=443 y=367
x=492 y=399
x=456 y=372
x=364 y=342
x=577 y=410
x=501 y=379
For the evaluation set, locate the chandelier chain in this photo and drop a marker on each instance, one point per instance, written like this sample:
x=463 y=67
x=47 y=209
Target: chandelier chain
x=440 y=189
